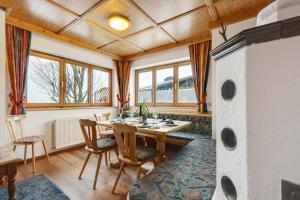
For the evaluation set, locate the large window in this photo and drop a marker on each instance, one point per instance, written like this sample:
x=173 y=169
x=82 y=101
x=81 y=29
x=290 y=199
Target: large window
x=43 y=84
x=186 y=90
x=164 y=85
x=76 y=83
x=170 y=85
x=145 y=87
x=58 y=82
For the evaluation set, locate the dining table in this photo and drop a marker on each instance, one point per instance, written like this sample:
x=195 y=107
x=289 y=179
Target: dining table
x=157 y=129
x=8 y=170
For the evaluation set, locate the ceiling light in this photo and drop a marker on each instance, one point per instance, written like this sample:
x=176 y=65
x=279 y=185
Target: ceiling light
x=119 y=23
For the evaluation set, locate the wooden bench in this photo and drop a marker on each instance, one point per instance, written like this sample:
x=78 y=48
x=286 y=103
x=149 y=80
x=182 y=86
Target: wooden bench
x=190 y=174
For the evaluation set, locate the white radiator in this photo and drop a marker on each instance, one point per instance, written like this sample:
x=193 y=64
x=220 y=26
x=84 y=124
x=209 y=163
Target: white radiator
x=67 y=132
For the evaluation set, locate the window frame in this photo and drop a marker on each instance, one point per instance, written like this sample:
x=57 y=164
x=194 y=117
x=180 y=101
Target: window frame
x=62 y=101
x=154 y=69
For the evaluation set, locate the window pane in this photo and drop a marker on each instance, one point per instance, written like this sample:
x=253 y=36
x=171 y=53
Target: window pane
x=100 y=86
x=43 y=80
x=145 y=87
x=76 y=83
x=186 y=91
x=164 y=85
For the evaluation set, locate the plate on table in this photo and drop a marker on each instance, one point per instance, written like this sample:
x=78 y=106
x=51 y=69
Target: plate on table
x=171 y=125
x=147 y=126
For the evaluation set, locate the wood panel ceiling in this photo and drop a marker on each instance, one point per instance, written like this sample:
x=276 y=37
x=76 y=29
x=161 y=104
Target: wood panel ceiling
x=155 y=25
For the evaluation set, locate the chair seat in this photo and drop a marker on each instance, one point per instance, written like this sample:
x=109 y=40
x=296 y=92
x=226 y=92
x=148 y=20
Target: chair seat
x=146 y=153
x=30 y=139
x=106 y=143
x=189 y=136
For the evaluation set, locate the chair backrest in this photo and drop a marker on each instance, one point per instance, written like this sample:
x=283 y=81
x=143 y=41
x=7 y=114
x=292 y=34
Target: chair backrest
x=88 y=128
x=126 y=140
x=14 y=126
x=105 y=117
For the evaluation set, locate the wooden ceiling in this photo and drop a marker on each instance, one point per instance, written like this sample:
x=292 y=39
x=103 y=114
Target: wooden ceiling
x=156 y=25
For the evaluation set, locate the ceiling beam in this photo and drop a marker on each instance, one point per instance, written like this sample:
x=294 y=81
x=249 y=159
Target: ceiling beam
x=212 y=10
x=63 y=8
x=94 y=24
x=153 y=23
x=200 y=38
x=6 y=3
x=38 y=29
x=86 y=14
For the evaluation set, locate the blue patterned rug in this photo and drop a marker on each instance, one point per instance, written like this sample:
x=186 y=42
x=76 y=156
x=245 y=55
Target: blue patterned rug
x=36 y=188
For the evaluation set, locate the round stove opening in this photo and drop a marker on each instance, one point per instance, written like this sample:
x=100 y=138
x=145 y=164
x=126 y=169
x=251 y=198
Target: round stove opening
x=228 y=90
x=228 y=188
x=228 y=139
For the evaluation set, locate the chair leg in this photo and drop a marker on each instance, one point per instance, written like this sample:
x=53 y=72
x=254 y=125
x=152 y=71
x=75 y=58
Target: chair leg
x=25 y=152
x=46 y=153
x=33 y=158
x=109 y=156
x=117 y=153
x=118 y=177
x=85 y=162
x=138 y=173
x=97 y=170
x=14 y=147
x=105 y=154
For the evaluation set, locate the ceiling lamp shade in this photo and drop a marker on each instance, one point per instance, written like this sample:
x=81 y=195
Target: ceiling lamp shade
x=119 y=23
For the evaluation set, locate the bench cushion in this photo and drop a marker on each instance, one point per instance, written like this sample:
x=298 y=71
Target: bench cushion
x=190 y=174
x=188 y=136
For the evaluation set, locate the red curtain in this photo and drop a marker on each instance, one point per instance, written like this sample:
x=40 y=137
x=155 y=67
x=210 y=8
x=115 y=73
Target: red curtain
x=123 y=74
x=199 y=55
x=17 y=52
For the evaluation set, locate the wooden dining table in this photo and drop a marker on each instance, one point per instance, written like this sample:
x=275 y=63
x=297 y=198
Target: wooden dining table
x=8 y=170
x=159 y=134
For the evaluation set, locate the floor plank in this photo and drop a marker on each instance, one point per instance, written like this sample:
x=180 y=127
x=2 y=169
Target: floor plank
x=64 y=170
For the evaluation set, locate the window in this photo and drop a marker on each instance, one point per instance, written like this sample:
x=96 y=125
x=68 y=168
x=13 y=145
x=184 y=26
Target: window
x=43 y=84
x=101 y=86
x=164 y=85
x=84 y=84
x=170 y=85
x=76 y=83
x=145 y=87
x=186 y=91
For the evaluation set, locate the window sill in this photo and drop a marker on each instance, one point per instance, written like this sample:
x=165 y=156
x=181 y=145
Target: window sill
x=67 y=108
x=180 y=111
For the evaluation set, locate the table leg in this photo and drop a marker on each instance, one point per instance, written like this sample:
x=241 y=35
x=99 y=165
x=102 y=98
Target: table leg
x=11 y=181
x=160 y=146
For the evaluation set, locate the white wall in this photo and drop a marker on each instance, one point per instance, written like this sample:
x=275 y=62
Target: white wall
x=217 y=40
x=3 y=99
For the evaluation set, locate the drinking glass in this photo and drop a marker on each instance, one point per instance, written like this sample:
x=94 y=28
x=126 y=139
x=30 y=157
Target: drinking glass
x=131 y=113
x=154 y=114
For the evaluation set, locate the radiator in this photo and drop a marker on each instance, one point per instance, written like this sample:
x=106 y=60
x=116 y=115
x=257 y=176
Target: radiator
x=67 y=132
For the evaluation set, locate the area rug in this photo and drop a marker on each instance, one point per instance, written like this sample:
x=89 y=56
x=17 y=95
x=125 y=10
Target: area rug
x=36 y=188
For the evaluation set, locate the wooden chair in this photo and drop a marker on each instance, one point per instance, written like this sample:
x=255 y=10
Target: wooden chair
x=95 y=145
x=129 y=152
x=16 y=134
x=104 y=132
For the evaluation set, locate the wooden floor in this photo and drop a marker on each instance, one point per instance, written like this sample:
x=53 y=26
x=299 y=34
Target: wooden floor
x=64 y=169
